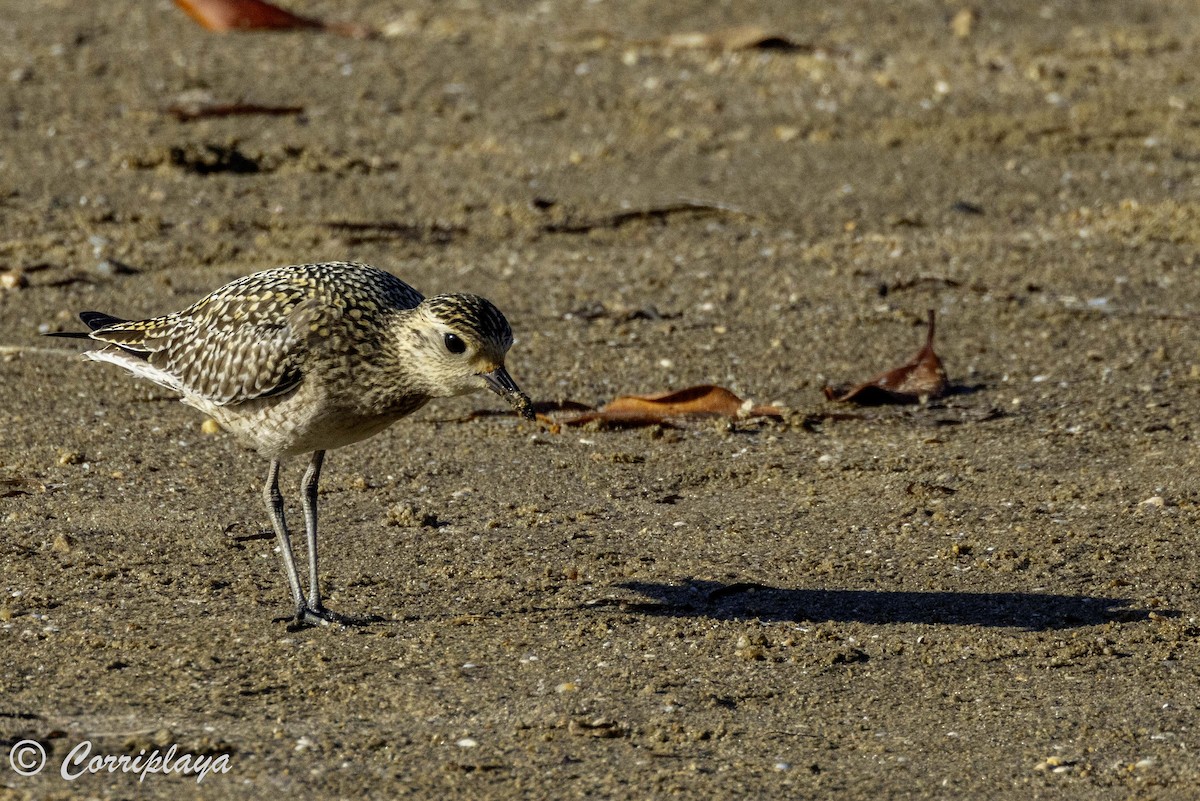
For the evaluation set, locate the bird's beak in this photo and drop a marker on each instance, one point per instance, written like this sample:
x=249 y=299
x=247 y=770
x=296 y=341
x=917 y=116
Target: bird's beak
x=500 y=382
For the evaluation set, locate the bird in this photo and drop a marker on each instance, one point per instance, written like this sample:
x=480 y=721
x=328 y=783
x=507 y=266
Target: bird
x=306 y=358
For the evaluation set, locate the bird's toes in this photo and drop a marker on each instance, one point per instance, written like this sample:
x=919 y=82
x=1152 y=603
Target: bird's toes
x=320 y=616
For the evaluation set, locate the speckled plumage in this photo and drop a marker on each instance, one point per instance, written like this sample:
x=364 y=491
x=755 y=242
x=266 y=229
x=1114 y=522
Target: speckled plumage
x=306 y=358
x=247 y=339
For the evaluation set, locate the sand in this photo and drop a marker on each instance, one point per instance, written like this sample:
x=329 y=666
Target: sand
x=990 y=595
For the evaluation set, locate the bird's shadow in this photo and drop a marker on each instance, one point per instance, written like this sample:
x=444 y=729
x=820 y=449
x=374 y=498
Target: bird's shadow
x=745 y=600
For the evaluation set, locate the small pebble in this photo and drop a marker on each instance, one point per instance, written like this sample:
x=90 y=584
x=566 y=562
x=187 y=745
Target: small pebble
x=1055 y=764
x=786 y=133
x=406 y=515
x=12 y=279
x=963 y=23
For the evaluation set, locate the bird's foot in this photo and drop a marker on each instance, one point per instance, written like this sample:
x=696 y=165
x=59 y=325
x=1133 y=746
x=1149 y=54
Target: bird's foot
x=318 y=615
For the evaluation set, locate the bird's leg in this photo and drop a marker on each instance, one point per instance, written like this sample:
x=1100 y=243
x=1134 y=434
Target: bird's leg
x=315 y=613
x=274 y=501
x=309 y=612
x=308 y=493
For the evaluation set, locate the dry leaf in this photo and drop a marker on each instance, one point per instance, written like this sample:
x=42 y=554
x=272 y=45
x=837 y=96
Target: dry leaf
x=699 y=401
x=232 y=15
x=923 y=377
x=247 y=15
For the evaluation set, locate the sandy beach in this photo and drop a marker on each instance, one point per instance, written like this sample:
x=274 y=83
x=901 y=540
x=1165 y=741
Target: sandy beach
x=993 y=594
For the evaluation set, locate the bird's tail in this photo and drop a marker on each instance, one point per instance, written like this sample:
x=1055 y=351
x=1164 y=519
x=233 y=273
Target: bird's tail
x=94 y=320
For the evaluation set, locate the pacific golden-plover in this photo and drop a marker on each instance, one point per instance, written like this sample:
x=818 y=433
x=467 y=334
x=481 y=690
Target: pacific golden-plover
x=310 y=357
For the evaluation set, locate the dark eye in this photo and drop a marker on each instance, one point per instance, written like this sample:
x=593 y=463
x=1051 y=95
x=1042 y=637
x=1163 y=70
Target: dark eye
x=454 y=344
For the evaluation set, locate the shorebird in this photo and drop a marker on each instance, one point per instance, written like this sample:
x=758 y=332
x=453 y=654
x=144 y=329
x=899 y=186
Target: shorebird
x=306 y=358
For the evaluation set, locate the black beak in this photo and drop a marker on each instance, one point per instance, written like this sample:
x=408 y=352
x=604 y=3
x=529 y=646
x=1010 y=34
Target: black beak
x=500 y=382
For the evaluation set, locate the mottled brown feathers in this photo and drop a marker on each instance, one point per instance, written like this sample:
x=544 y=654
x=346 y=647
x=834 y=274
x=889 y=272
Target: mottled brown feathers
x=315 y=356
x=250 y=338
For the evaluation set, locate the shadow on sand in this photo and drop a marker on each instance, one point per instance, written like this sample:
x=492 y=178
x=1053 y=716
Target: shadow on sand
x=752 y=601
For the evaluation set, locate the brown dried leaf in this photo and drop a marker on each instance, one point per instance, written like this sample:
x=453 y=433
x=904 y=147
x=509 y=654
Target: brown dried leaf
x=232 y=15
x=922 y=377
x=705 y=400
x=246 y=15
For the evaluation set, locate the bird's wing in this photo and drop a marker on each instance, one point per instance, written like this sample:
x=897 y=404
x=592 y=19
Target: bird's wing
x=228 y=352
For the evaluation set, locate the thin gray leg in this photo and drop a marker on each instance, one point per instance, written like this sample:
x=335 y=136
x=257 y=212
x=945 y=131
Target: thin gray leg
x=308 y=612
x=308 y=490
x=274 y=501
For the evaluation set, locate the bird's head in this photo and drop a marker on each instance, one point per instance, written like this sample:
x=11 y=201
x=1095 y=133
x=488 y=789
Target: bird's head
x=459 y=345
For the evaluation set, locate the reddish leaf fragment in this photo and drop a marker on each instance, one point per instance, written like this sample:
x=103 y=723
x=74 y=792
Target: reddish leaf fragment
x=257 y=15
x=922 y=377
x=232 y=15
x=699 y=401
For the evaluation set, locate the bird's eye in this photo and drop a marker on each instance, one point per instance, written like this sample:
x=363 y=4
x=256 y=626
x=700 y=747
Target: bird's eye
x=454 y=344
